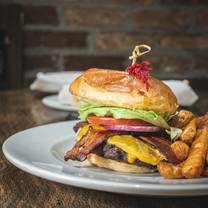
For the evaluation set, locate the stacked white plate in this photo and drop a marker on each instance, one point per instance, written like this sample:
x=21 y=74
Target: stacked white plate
x=58 y=82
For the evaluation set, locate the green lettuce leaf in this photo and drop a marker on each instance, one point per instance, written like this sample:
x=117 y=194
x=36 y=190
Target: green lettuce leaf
x=174 y=133
x=88 y=107
x=148 y=116
x=87 y=104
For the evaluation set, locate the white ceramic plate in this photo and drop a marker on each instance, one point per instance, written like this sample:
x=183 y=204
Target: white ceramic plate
x=40 y=151
x=52 y=101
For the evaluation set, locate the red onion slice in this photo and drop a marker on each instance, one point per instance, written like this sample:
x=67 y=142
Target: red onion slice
x=133 y=128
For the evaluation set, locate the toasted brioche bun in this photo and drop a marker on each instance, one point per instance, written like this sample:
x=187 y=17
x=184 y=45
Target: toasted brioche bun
x=93 y=159
x=118 y=88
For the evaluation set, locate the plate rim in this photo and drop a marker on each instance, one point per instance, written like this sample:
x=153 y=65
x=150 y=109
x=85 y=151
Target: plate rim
x=142 y=188
x=63 y=108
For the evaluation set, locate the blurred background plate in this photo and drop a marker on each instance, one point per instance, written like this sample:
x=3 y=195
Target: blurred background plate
x=52 y=82
x=52 y=101
x=64 y=100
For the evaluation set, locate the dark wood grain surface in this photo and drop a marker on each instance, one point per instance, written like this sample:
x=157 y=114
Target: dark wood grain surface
x=19 y=110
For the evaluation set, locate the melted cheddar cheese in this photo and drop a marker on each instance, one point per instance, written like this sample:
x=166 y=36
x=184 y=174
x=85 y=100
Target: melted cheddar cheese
x=85 y=129
x=136 y=149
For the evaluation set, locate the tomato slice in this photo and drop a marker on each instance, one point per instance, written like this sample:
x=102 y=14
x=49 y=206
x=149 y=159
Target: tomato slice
x=112 y=121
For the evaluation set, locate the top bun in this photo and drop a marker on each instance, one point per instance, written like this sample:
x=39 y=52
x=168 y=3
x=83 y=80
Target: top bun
x=118 y=88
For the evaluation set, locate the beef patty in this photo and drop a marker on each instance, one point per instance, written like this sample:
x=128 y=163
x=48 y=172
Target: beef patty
x=112 y=152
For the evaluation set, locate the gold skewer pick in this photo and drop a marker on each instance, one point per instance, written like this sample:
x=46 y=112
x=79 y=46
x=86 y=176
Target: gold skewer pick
x=137 y=53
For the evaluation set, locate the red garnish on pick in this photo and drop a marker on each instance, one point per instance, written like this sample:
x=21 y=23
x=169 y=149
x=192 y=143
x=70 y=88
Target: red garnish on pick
x=141 y=71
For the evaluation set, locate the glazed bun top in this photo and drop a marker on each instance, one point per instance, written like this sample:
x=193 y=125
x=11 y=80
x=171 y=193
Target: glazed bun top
x=118 y=88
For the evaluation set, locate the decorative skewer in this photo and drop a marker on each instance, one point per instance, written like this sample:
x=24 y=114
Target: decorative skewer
x=137 y=52
x=140 y=70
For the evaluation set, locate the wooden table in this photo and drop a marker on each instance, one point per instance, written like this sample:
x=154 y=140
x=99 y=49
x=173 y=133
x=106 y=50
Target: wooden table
x=20 y=110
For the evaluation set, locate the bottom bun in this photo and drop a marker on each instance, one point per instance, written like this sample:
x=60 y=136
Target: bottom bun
x=102 y=162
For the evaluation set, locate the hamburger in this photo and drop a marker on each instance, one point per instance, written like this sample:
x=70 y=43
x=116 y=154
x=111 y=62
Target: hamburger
x=125 y=122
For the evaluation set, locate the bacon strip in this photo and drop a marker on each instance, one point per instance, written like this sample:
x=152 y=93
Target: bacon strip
x=163 y=146
x=79 y=125
x=87 y=143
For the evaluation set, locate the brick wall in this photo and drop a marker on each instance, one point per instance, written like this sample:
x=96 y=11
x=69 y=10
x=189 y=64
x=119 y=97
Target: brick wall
x=75 y=35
